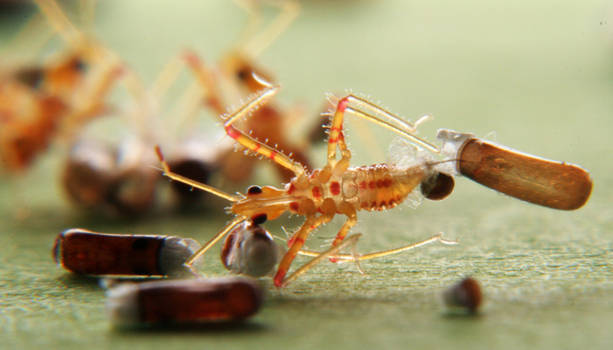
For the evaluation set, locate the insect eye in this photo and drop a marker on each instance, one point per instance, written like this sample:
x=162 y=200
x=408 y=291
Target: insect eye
x=259 y=219
x=243 y=73
x=79 y=65
x=254 y=190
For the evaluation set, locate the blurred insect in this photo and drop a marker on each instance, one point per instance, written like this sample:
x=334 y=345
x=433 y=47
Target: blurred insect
x=109 y=179
x=240 y=75
x=123 y=255
x=190 y=301
x=57 y=100
x=97 y=176
x=120 y=178
x=465 y=295
x=321 y=194
x=40 y=103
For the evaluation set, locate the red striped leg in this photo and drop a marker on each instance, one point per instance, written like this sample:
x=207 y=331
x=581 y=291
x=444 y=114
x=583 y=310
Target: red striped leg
x=319 y=257
x=298 y=240
x=351 y=221
x=254 y=145
x=336 y=135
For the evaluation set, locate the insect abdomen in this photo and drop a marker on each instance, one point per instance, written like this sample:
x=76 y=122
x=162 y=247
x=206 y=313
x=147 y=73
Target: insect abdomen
x=381 y=186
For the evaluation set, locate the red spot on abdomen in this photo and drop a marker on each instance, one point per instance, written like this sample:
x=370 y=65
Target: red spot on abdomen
x=363 y=185
x=294 y=206
x=335 y=188
x=316 y=192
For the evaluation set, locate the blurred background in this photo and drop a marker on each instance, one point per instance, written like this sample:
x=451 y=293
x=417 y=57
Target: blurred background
x=536 y=77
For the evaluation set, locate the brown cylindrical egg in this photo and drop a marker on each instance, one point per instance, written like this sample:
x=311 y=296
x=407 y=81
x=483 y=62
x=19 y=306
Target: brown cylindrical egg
x=184 y=301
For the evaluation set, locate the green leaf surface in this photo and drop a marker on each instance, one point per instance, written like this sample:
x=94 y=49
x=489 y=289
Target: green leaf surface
x=538 y=74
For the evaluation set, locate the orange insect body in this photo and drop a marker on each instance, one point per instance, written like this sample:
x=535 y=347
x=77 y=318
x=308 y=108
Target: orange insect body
x=29 y=121
x=375 y=187
x=38 y=103
x=34 y=104
x=330 y=191
x=338 y=189
x=318 y=195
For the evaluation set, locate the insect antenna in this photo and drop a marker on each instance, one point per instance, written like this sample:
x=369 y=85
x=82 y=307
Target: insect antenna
x=389 y=120
x=402 y=131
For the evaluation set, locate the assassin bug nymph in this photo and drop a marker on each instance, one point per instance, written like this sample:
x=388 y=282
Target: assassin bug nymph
x=321 y=194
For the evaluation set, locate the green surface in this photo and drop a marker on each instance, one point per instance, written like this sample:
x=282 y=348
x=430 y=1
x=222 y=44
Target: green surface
x=539 y=74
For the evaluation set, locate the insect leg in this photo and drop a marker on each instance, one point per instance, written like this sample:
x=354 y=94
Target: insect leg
x=89 y=103
x=221 y=234
x=336 y=135
x=59 y=22
x=190 y=101
x=378 y=254
x=176 y=177
x=298 y=239
x=167 y=76
x=87 y=9
x=332 y=252
x=206 y=78
x=254 y=145
x=352 y=218
x=259 y=42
